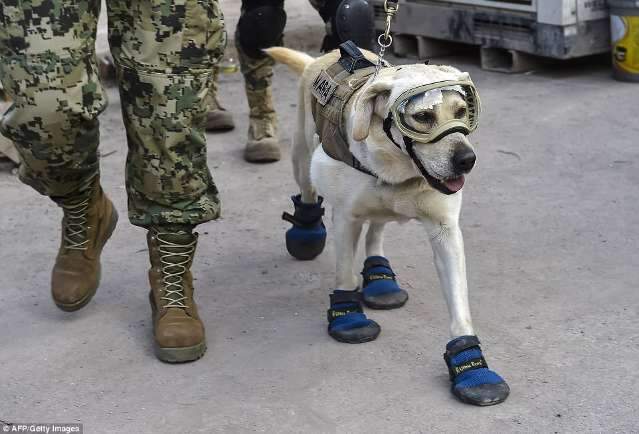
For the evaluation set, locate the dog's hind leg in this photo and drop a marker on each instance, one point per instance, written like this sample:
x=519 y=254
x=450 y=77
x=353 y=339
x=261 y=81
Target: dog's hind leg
x=375 y=239
x=304 y=143
x=301 y=155
x=379 y=289
x=473 y=382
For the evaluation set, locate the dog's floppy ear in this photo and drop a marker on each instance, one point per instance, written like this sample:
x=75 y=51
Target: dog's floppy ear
x=365 y=106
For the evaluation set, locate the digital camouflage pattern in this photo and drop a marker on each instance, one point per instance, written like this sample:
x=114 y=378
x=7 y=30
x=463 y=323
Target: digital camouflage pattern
x=258 y=78
x=164 y=52
x=213 y=90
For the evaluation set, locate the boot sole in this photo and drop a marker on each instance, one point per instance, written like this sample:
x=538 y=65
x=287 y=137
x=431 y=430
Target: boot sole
x=494 y=398
x=219 y=123
x=304 y=250
x=262 y=155
x=175 y=354
x=180 y=355
x=372 y=332
x=219 y=128
x=370 y=303
x=72 y=307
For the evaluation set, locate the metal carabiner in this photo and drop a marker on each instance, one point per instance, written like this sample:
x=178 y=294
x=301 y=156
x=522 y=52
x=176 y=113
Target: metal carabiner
x=385 y=39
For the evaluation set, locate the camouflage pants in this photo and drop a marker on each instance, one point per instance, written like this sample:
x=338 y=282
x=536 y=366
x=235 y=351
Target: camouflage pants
x=258 y=74
x=164 y=52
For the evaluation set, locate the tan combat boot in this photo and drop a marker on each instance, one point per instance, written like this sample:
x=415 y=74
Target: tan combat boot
x=218 y=118
x=263 y=144
x=88 y=222
x=177 y=328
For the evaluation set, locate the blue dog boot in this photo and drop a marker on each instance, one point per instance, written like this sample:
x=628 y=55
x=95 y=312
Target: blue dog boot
x=473 y=382
x=347 y=321
x=381 y=290
x=306 y=239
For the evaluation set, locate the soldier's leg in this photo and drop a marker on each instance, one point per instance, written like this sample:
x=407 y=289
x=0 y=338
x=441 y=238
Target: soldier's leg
x=48 y=68
x=164 y=53
x=261 y=25
x=218 y=118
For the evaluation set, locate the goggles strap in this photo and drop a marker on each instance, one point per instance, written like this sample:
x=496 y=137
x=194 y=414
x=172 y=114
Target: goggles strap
x=409 y=144
x=462 y=130
x=388 y=123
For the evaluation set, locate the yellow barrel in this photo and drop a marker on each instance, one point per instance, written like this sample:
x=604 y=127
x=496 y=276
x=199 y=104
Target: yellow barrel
x=624 y=29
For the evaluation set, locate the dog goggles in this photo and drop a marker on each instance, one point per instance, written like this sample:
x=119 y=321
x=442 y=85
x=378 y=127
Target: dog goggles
x=426 y=99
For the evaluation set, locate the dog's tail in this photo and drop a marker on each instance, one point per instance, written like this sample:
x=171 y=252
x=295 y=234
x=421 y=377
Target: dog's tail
x=296 y=60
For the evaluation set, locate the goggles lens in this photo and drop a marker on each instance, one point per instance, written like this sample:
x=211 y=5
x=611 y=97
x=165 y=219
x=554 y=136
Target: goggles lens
x=427 y=113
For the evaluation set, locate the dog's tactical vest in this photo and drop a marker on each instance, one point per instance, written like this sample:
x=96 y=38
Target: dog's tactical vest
x=332 y=89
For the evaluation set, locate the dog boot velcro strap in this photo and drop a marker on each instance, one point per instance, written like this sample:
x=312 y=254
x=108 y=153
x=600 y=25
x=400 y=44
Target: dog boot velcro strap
x=472 y=381
x=347 y=321
x=380 y=290
x=307 y=215
x=307 y=238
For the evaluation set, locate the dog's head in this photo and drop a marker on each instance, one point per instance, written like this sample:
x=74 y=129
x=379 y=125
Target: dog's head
x=427 y=136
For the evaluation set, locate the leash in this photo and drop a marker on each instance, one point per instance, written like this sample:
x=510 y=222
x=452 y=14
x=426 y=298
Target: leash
x=385 y=39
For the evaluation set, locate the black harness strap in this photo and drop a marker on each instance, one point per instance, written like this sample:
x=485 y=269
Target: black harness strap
x=352 y=58
x=409 y=145
x=388 y=123
x=352 y=63
x=358 y=166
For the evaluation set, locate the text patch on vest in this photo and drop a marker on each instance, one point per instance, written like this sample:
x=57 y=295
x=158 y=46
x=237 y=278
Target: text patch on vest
x=323 y=88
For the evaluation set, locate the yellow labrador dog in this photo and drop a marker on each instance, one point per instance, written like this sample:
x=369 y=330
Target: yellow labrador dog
x=385 y=147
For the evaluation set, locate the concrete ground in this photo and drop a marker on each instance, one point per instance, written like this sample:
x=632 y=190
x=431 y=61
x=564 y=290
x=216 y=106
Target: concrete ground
x=550 y=222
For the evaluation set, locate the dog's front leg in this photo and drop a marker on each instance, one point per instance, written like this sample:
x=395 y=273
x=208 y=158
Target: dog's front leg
x=380 y=289
x=472 y=381
x=347 y=233
x=347 y=321
x=375 y=239
x=448 y=250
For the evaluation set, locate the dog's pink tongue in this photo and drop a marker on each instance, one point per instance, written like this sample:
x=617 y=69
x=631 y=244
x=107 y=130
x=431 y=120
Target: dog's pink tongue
x=455 y=185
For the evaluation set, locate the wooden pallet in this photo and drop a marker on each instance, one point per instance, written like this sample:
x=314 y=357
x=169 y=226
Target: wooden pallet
x=492 y=59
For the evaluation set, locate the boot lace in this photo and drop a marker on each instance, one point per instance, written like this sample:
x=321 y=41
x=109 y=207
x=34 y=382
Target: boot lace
x=175 y=258
x=76 y=225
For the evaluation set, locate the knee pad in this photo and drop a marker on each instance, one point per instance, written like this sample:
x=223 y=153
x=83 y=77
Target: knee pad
x=348 y=20
x=261 y=26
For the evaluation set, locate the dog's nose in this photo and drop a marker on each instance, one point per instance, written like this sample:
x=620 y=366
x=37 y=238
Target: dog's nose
x=464 y=160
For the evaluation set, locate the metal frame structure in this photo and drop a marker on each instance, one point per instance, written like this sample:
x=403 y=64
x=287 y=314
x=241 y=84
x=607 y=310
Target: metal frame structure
x=559 y=29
